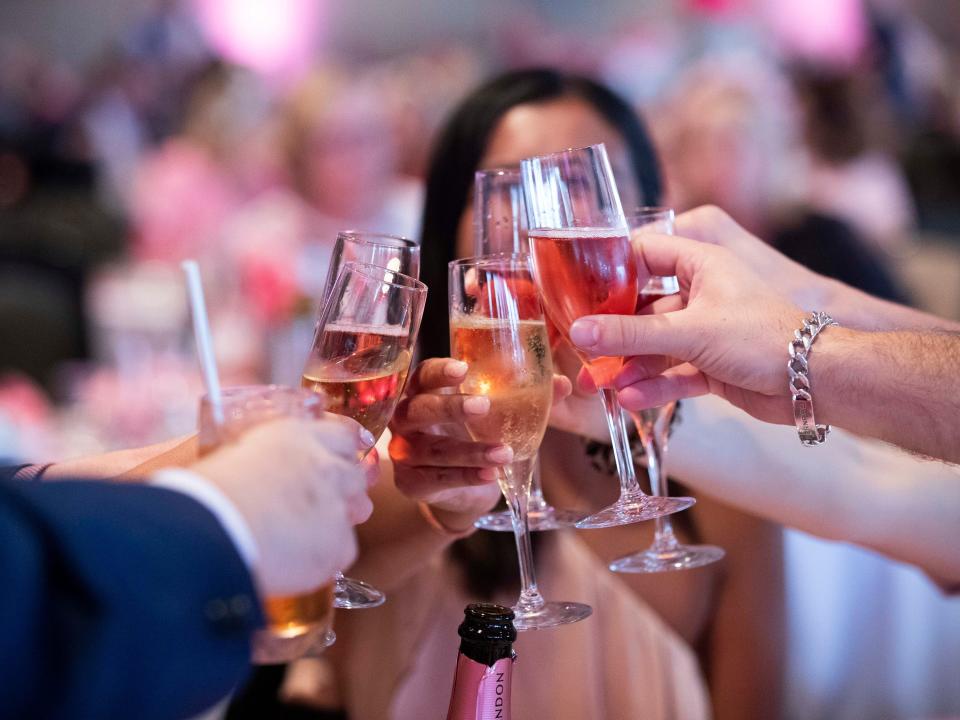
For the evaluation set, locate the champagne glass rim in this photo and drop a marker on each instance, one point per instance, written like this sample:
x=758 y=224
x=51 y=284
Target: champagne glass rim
x=491 y=259
x=647 y=211
x=511 y=170
x=240 y=392
x=380 y=273
x=377 y=238
x=566 y=151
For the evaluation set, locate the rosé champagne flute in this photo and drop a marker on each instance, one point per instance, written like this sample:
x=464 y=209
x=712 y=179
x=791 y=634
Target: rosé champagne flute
x=500 y=226
x=666 y=553
x=360 y=359
x=497 y=328
x=584 y=264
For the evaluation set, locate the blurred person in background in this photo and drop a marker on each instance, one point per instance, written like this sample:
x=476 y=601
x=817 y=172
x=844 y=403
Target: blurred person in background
x=53 y=230
x=342 y=160
x=731 y=137
x=850 y=176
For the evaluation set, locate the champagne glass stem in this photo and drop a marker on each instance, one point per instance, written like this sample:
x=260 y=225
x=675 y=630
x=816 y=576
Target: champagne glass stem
x=629 y=488
x=530 y=598
x=656 y=451
x=537 y=504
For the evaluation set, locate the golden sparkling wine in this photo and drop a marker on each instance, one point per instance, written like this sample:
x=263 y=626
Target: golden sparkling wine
x=362 y=371
x=293 y=615
x=289 y=616
x=519 y=385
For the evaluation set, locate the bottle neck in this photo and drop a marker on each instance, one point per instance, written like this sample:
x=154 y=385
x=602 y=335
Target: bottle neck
x=481 y=691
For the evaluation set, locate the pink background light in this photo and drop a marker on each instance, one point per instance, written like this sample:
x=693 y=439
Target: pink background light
x=826 y=31
x=278 y=38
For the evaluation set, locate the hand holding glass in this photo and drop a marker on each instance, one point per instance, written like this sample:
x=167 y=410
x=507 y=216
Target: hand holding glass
x=298 y=625
x=585 y=265
x=500 y=224
x=498 y=329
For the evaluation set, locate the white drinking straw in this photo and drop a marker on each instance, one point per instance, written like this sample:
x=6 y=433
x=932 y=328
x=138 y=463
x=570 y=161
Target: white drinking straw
x=201 y=331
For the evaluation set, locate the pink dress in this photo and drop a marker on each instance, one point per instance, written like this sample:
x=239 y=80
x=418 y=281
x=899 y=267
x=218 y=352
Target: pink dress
x=623 y=663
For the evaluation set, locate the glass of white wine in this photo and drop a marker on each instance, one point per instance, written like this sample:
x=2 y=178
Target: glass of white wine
x=497 y=327
x=360 y=359
x=500 y=226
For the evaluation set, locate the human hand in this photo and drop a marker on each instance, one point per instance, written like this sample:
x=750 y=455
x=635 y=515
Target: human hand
x=455 y=475
x=298 y=485
x=805 y=288
x=726 y=333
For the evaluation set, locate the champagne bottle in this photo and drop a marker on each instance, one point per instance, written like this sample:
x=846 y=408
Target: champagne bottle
x=481 y=687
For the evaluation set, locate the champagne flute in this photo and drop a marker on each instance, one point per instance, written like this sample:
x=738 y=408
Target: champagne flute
x=498 y=329
x=360 y=359
x=666 y=553
x=584 y=264
x=387 y=251
x=396 y=253
x=297 y=625
x=500 y=225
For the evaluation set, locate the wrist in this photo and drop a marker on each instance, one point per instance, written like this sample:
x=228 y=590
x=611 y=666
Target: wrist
x=833 y=367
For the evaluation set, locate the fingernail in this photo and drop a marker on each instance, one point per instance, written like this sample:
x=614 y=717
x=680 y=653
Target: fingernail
x=500 y=454
x=367 y=438
x=585 y=333
x=487 y=474
x=455 y=369
x=477 y=405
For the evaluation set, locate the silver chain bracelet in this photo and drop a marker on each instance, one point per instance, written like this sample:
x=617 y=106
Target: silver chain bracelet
x=799 y=369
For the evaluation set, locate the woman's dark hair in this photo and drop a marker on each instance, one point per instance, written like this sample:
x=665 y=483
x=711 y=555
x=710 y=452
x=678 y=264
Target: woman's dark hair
x=463 y=142
x=456 y=156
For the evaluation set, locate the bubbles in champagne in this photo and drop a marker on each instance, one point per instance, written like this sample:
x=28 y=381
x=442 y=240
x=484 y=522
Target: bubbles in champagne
x=510 y=364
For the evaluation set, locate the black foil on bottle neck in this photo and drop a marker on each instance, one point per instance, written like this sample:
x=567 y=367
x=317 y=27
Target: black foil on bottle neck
x=487 y=633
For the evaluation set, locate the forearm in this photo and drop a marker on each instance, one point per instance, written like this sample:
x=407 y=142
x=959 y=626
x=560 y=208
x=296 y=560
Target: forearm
x=856 y=309
x=130 y=464
x=901 y=387
x=848 y=489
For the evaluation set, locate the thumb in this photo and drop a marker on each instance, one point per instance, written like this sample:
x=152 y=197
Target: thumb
x=675 y=334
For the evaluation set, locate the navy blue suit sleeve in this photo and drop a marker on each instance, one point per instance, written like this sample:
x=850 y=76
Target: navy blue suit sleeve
x=117 y=601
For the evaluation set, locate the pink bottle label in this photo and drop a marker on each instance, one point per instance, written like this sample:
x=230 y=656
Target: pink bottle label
x=481 y=692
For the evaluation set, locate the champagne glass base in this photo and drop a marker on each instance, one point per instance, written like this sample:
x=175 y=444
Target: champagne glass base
x=551 y=614
x=539 y=520
x=680 y=557
x=271 y=648
x=351 y=594
x=635 y=509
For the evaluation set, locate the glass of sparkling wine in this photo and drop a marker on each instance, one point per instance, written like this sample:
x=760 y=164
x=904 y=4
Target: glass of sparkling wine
x=666 y=553
x=297 y=625
x=387 y=251
x=360 y=358
x=584 y=264
x=498 y=329
x=398 y=254
x=500 y=226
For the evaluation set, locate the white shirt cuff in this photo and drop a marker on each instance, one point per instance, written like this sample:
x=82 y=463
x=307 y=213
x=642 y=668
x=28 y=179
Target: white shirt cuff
x=212 y=498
